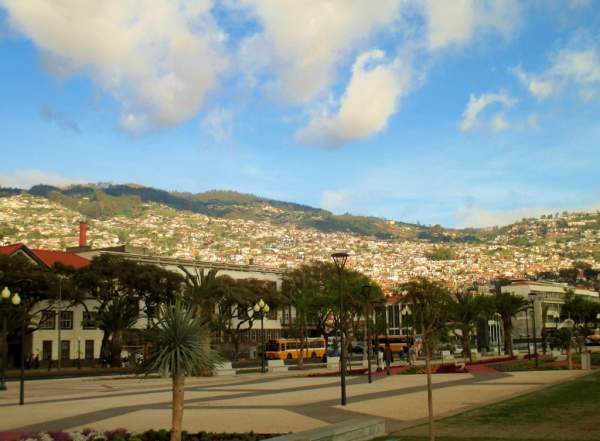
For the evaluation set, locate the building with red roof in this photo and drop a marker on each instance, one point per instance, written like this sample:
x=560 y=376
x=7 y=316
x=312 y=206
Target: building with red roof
x=45 y=258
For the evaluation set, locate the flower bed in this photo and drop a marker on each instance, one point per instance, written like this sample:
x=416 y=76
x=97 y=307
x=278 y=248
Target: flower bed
x=124 y=435
x=493 y=360
x=436 y=369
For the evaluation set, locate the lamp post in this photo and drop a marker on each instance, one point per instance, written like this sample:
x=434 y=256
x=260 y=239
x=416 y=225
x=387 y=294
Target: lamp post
x=6 y=298
x=340 y=258
x=78 y=352
x=406 y=312
x=532 y=300
x=527 y=328
x=262 y=308
x=367 y=289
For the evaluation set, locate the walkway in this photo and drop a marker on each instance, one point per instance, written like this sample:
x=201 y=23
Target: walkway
x=262 y=403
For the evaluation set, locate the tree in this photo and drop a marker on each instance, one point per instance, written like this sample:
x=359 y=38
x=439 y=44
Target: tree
x=234 y=316
x=508 y=305
x=114 y=318
x=429 y=303
x=108 y=278
x=465 y=310
x=563 y=338
x=177 y=352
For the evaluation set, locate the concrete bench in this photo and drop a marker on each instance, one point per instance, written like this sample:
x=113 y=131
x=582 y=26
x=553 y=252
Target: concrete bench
x=224 y=369
x=276 y=366
x=360 y=429
x=333 y=363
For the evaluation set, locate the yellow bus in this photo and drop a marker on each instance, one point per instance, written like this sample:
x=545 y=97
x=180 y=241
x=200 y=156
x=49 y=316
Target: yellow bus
x=397 y=342
x=289 y=348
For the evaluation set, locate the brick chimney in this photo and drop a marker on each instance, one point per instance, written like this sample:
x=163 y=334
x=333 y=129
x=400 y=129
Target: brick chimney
x=82 y=234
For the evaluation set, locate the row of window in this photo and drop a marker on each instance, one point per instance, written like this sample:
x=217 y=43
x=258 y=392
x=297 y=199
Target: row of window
x=48 y=320
x=65 y=350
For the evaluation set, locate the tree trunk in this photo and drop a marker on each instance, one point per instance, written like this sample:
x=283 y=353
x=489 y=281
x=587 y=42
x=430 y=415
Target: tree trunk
x=302 y=345
x=508 y=347
x=467 y=346
x=116 y=345
x=569 y=357
x=177 y=415
x=429 y=389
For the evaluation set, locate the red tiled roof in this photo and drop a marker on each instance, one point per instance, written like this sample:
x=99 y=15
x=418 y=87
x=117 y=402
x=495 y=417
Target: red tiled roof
x=7 y=250
x=46 y=257
x=69 y=259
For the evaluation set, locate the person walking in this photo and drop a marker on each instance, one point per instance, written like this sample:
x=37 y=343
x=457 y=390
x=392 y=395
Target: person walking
x=389 y=358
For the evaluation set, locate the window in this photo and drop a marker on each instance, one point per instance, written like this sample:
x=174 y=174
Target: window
x=66 y=320
x=47 y=350
x=47 y=320
x=65 y=349
x=89 y=349
x=89 y=320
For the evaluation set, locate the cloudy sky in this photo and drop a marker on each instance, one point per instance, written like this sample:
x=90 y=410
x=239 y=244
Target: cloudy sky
x=457 y=112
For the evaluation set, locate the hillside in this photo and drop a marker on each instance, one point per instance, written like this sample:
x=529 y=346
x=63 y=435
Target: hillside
x=245 y=229
x=105 y=201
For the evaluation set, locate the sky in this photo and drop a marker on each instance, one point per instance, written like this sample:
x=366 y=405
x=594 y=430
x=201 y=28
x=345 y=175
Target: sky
x=459 y=113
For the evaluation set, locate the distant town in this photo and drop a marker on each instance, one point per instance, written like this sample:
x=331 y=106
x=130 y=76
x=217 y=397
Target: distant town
x=531 y=246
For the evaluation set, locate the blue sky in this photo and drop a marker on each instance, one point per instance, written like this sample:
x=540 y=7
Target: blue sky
x=462 y=113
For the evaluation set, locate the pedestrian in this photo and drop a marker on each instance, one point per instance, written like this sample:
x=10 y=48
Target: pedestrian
x=412 y=355
x=36 y=361
x=389 y=358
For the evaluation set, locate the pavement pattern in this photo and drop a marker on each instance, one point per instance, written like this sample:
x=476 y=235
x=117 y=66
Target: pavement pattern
x=263 y=403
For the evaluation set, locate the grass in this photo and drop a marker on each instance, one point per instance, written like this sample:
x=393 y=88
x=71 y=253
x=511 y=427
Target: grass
x=567 y=411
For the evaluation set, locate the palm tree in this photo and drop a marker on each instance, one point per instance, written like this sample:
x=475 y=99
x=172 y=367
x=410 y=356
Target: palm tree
x=429 y=303
x=508 y=305
x=114 y=318
x=177 y=352
x=563 y=339
x=465 y=311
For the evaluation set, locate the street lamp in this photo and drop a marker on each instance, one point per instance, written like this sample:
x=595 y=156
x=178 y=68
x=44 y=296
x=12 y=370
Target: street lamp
x=340 y=258
x=532 y=297
x=16 y=301
x=6 y=297
x=262 y=308
x=367 y=290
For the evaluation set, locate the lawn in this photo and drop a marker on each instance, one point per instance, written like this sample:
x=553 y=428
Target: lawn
x=568 y=411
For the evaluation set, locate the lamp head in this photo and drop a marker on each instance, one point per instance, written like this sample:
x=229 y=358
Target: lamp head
x=16 y=300
x=266 y=308
x=340 y=258
x=256 y=308
x=5 y=293
x=261 y=303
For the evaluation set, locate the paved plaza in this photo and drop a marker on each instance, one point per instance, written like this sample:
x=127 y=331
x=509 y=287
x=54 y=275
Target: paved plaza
x=258 y=402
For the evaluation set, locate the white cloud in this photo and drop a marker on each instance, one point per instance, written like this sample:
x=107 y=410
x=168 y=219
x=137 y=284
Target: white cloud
x=456 y=22
x=476 y=105
x=576 y=65
x=480 y=217
x=335 y=201
x=306 y=40
x=539 y=88
x=369 y=100
x=158 y=58
x=25 y=179
x=580 y=66
x=218 y=124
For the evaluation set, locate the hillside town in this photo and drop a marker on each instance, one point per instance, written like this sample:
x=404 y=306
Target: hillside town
x=534 y=245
